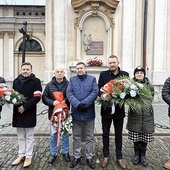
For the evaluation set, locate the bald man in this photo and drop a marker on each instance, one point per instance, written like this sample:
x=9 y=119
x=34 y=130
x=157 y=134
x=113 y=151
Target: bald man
x=57 y=84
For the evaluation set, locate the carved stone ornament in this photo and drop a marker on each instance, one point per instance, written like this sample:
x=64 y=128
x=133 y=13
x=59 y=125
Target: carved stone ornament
x=1 y=34
x=83 y=6
x=11 y=34
x=109 y=4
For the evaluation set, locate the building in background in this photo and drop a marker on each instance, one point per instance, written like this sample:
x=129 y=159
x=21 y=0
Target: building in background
x=11 y=20
x=69 y=31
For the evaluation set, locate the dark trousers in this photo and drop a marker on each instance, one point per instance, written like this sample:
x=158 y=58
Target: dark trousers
x=118 y=127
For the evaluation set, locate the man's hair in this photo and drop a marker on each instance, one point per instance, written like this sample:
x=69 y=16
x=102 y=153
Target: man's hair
x=79 y=63
x=113 y=56
x=26 y=63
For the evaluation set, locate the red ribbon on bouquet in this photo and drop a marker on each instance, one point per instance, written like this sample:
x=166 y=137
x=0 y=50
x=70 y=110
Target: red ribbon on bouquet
x=59 y=113
x=4 y=90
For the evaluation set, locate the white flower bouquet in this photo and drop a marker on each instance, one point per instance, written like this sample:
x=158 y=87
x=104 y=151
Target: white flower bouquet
x=9 y=96
x=125 y=91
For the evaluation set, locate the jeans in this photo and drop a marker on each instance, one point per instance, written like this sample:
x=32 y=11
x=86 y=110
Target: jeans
x=118 y=126
x=64 y=139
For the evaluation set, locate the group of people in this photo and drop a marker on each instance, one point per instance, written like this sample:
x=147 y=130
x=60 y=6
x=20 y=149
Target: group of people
x=80 y=93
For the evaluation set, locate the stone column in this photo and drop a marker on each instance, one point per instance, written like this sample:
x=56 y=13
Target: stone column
x=157 y=39
x=60 y=28
x=1 y=53
x=128 y=32
x=160 y=35
x=11 y=55
x=49 y=60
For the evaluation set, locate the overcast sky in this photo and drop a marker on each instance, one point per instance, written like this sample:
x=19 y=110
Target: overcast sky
x=23 y=2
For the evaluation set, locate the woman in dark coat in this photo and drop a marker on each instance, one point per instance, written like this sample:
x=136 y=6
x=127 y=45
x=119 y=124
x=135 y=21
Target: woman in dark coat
x=141 y=125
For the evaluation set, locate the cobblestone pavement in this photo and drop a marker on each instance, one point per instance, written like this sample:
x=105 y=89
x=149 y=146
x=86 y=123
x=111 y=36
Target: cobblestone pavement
x=157 y=155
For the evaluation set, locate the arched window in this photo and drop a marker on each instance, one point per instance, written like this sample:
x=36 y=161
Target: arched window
x=31 y=45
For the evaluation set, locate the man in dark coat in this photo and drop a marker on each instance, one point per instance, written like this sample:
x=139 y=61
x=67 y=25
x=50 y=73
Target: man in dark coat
x=24 y=116
x=166 y=98
x=107 y=116
x=58 y=83
x=2 y=80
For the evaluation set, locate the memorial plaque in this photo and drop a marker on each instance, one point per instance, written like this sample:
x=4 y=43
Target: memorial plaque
x=96 y=48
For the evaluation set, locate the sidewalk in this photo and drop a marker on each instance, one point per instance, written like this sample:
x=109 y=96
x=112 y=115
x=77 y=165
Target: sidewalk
x=42 y=128
x=157 y=153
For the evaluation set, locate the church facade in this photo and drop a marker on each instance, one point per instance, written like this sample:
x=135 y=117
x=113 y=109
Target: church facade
x=61 y=33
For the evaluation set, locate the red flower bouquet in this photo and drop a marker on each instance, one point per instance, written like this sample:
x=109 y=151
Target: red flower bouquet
x=94 y=62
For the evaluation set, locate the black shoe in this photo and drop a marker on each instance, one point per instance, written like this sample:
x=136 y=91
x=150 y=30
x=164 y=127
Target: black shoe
x=143 y=161
x=136 y=159
x=66 y=156
x=90 y=163
x=52 y=159
x=74 y=162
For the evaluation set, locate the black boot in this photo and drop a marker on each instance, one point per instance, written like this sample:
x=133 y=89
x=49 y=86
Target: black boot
x=137 y=153
x=143 y=154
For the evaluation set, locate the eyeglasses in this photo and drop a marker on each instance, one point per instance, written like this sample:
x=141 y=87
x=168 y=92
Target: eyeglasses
x=139 y=72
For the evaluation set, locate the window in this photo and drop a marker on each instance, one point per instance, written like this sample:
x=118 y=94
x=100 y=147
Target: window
x=31 y=45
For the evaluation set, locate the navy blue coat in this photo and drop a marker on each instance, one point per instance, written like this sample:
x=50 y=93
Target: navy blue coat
x=105 y=77
x=29 y=87
x=83 y=91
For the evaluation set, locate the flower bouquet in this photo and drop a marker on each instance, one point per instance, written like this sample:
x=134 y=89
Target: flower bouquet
x=66 y=124
x=60 y=118
x=94 y=62
x=9 y=96
x=125 y=91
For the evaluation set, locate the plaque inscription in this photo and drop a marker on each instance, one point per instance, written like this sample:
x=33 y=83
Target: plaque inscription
x=96 y=48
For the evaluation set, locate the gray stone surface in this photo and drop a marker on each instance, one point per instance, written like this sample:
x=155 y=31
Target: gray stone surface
x=157 y=153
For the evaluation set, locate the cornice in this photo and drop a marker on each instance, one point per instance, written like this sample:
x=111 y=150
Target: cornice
x=108 y=4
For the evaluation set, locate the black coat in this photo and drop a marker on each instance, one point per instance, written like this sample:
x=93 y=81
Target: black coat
x=166 y=93
x=28 y=88
x=105 y=77
x=54 y=86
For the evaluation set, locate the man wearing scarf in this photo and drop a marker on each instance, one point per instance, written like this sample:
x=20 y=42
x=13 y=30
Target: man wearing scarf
x=24 y=116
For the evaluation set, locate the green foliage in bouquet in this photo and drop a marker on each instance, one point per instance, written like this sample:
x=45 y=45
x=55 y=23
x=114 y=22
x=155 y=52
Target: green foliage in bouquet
x=125 y=91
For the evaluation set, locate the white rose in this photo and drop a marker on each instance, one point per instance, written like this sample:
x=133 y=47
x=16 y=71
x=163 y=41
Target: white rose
x=122 y=95
x=133 y=93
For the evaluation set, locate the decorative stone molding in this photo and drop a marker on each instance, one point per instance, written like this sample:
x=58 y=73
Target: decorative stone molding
x=1 y=34
x=11 y=34
x=109 y=4
x=94 y=6
x=98 y=8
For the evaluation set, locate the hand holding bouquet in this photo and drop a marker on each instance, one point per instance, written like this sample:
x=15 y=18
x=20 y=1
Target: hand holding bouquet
x=125 y=91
